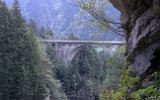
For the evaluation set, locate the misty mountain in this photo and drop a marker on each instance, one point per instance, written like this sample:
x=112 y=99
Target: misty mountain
x=61 y=15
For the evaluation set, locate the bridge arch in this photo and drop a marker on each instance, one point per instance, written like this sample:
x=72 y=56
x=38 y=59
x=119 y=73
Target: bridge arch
x=71 y=55
x=66 y=50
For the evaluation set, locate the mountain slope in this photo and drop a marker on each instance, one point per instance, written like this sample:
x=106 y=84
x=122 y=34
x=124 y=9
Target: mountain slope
x=60 y=16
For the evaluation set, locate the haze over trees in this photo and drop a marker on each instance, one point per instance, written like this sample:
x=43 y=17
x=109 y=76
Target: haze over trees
x=24 y=64
x=140 y=23
x=32 y=70
x=63 y=17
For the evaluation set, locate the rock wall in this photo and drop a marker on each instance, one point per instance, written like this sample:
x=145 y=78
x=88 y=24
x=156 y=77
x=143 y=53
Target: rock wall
x=142 y=28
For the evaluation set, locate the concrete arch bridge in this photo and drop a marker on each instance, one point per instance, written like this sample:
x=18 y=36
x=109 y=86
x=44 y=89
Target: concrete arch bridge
x=66 y=50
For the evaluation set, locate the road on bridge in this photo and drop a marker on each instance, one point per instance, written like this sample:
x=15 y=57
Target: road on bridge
x=85 y=42
x=67 y=49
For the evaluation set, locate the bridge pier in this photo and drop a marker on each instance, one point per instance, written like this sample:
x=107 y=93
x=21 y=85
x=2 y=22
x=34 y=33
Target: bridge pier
x=67 y=49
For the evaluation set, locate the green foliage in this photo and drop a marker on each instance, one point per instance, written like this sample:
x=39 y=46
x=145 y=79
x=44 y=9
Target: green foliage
x=117 y=60
x=85 y=74
x=52 y=85
x=18 y=57
x=128 y=79
x=156 y=76
x=89 y=72
x=26 y=73
x=130 y=89
x=127 y=85
x=114 y=66
x=45 y=33
x=148 y=93
x=112 y=96
x=97 y=9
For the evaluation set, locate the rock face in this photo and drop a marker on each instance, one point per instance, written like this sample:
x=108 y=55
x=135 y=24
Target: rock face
x=142 y=29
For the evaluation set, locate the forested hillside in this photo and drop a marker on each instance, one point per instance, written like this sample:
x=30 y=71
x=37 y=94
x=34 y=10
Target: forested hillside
x=30 y=69
x=26 y=71
x=33 y=69
x=64 y=17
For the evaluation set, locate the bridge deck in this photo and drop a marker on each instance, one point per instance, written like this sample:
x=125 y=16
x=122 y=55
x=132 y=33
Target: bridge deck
x=85 y=42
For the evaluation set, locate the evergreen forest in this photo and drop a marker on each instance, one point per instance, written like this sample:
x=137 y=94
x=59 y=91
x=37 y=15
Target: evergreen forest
x=31 y=67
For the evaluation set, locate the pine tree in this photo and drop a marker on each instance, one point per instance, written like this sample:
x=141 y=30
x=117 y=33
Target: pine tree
x=32 y=26
x=4 y=57
x=23 y=70
x=19 y=57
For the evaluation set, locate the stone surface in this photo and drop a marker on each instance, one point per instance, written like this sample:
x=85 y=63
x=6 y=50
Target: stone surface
x=142 y=33
x=67 y=51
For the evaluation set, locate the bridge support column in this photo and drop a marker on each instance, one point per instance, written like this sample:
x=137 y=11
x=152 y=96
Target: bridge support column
x=67 y=49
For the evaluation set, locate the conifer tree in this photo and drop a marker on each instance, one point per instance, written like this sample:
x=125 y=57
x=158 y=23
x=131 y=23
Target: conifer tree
x=23 y=70
x=4 y=57
x=19 y=57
